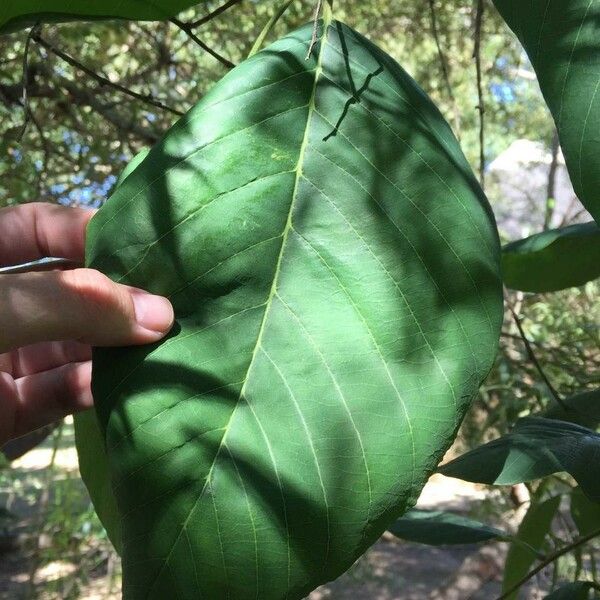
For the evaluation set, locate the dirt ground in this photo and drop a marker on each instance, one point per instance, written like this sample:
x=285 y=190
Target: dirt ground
x=52 y=568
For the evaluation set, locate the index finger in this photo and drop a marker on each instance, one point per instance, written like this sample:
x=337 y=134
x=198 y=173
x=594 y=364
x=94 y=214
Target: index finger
x=39 y=230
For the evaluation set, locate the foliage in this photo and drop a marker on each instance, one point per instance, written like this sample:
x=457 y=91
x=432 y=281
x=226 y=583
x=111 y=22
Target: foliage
x=78 y=101
x=561 y=39
x=439 y=528
x=535 y=448
x=532 y=535
x=553 y=260
x=16 y=14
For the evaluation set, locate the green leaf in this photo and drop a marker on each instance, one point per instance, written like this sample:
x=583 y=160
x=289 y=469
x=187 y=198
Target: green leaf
x=579 y=590
x=18 y=14
x=530 y=536
x=585 y=512
x=553 y=260
x=93 y=466
x=562 y=42
x=437 y=528
x=334 y=270
x=583 y=409
x=535 y=448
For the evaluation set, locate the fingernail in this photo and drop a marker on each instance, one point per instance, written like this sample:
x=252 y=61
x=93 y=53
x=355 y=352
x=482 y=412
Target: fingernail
x=153 y=313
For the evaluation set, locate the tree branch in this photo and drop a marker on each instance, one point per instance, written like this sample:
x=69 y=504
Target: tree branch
x=534 y=360
x=103 y=81
x=187 y=29
x=548 y=560
x=215 y=13
x=480 y=107
x=444 y=66
x=551 y=187
x=25 y=97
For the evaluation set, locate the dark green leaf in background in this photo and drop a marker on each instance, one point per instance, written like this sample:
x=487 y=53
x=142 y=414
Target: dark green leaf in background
x=553 y=260
x=585 y=513
x=17 y=14
x=437 y=528
x=562 y=40
x=583 y=409
x=535 y=448
x=579 y=590
x=529 y=538
x=334 y=269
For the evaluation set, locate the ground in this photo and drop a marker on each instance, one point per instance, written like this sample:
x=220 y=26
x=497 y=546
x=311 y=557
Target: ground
x=55 y=556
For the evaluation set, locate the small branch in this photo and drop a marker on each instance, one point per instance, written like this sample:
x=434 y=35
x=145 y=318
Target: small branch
x=534 y=360
x=313 y=39
x=215 y=13
x=25 y=96
x=268 y=27
x=103 y=81
x=550 y=559
x=187 y=29
x=444 y=66
x=480 y=107
x=551 y=188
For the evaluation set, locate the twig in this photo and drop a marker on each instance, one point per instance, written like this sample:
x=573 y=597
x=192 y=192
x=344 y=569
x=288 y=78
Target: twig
x=534 y=360
x=215 y=13
x=25 y=96
x=551 y=188
x=187 y=29
x=480 y=106
x=444 y=66
x=313 y=39
x=268 y=27
x=103 y=81
x=550 y=559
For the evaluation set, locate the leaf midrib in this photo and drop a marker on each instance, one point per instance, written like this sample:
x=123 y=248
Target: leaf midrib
x=269 y=302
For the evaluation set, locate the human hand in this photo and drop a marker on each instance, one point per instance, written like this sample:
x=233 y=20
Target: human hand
x=49 y=321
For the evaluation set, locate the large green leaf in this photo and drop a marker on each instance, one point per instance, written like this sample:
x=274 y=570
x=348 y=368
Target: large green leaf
x=438 y=528
x=334 y=269
x=553 y=260
x=16 y=14
x=529 y=539
x=535 y=448
x=563 y=44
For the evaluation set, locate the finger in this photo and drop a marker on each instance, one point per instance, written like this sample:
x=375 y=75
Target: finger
x=39 y=230
x=82 y=305
x=49 y=396
x=41 y=357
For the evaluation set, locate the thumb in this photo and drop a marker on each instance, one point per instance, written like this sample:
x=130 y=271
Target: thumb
x=81 y=304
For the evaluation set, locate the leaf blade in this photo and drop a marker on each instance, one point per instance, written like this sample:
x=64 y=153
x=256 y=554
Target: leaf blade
x=535 y=448
x=553 y=260
x=225 y=452
x=561 y=41
x=442 y=528
x=531 y=535
x=20 y=14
